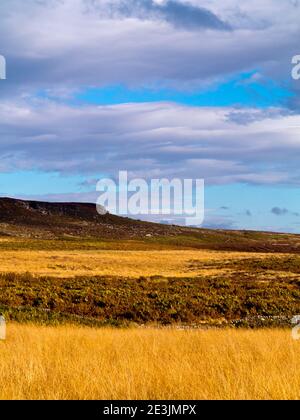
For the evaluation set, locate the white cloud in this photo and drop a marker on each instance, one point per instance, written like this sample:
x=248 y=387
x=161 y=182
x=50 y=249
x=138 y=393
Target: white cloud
x=152 y=139
x=74 y=43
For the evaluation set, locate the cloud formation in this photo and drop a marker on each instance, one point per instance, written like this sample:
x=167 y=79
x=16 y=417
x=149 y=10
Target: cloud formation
x=278 y=211
x=67 y=44
x=151 y=139
x=182 y=15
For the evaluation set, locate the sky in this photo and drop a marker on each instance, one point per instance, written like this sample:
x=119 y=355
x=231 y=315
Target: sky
x=165 y=88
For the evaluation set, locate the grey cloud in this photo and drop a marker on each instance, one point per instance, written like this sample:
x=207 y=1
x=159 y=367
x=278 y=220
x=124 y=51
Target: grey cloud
x=175 y=12
x=144 y=51
x=220 y=224
x=248 y=116
x=89 y=183
x=279 y=211
x=149 y=140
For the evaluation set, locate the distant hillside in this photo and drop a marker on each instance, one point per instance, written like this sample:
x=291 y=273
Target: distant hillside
x=42 y=220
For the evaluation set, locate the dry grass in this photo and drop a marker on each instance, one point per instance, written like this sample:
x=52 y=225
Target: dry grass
x=77 y=363
x=120 y=263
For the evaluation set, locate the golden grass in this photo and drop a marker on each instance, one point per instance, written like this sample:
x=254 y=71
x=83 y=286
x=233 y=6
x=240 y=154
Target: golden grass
x=120 y=263
x=77 y=363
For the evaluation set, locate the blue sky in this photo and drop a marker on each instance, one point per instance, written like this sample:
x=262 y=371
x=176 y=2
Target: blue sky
x=242 y=90
x=176 y=88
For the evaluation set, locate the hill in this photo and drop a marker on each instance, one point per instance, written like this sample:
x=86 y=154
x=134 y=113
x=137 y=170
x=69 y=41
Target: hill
x=44 y=220
x=65 y=263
